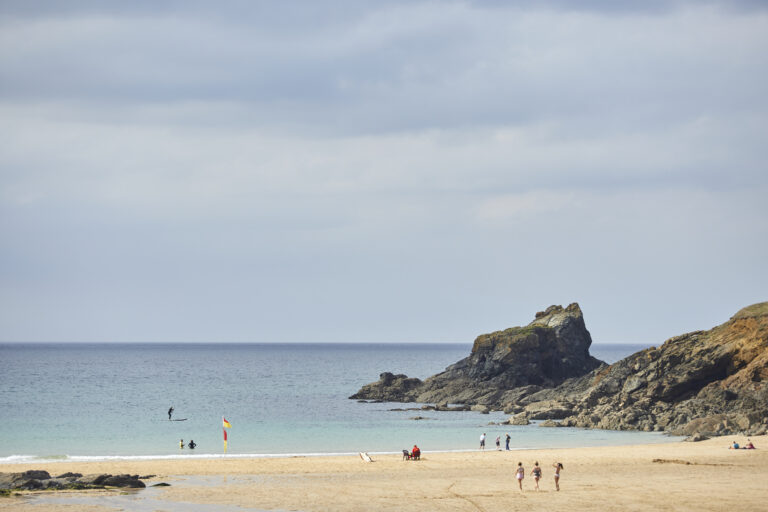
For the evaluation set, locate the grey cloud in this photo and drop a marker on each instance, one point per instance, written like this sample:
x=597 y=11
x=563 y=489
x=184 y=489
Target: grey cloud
x=381 y=171
x=401 y=68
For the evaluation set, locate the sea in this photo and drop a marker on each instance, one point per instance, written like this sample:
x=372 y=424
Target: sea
x=82 y=401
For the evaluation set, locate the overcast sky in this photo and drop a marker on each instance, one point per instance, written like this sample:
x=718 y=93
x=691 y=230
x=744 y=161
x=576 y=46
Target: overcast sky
x=348 y=171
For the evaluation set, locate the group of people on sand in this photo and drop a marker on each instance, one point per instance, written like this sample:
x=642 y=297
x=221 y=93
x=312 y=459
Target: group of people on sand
x=414 y=454
x=536 y=473
x=748 y=446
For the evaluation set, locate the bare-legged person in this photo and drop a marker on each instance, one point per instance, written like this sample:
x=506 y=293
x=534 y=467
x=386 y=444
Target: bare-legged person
x=520 y=474
x=536 y=472
x=558 y=466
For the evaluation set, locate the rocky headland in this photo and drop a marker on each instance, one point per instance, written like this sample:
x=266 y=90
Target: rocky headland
x=705 y=382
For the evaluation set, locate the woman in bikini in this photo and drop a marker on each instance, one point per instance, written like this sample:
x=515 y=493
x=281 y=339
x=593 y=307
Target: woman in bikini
x=536 y=472
x=520 y=474
x=557 y=467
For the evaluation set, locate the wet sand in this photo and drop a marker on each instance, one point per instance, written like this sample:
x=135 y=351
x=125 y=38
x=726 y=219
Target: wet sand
x=672 y=476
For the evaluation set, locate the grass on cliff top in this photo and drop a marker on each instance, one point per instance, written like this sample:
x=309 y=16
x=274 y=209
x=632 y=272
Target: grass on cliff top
x=507 y=336
x=759 y=309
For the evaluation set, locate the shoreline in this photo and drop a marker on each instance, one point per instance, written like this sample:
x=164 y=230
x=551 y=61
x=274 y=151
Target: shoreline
x=668 y=476
x=52 y=459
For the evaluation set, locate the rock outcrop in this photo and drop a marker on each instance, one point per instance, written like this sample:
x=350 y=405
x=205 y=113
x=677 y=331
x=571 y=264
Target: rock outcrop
x=39 y=480
x=503 y=365
x=706 y=382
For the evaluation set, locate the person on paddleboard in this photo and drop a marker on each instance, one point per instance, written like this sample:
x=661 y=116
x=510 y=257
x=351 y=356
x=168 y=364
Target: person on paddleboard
x=170 y=411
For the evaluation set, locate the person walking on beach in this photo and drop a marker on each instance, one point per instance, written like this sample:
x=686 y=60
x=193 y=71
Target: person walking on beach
x=508 y=439
x=536 y=472
x=520 y=474
x=170 y=411
x=498 y=443
x=482 y=441
x=557 y=467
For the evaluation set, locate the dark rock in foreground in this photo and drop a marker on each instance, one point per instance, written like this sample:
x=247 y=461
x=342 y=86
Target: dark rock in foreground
x=39 y=480
x=546 y=352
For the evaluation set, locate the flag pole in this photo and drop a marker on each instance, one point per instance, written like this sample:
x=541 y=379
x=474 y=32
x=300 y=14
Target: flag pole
x=223 y=429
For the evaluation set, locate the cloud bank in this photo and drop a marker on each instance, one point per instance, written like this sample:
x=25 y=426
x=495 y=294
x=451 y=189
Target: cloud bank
x=360 y=171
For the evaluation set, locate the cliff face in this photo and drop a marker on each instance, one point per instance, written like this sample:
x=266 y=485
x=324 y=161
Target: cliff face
x=709 y=382
x=549 y=350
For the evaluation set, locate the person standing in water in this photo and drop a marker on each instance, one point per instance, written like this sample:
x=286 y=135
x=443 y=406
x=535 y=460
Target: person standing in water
x=498 y=443
x=557 y=467
x=482 y=441
x=192 y=444
x=536 y=472
x=170 y=411
x=181 y=444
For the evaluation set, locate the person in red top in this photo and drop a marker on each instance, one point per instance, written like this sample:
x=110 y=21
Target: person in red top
x=415 y=453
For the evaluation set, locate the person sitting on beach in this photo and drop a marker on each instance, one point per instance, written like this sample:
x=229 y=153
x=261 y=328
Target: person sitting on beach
x=416 y=453
x=536 y=472
x=192 y=444
x=749 y=445
x=734 y=446
x=557 y=467
x=520 y=474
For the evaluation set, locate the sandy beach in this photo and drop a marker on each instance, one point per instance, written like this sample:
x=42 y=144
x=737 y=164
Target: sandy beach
x=673 y=476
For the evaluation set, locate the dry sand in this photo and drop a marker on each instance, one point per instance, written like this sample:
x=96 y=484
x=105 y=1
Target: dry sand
x=673 y=476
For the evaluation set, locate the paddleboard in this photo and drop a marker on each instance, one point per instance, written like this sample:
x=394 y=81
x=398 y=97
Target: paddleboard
x=180 y=419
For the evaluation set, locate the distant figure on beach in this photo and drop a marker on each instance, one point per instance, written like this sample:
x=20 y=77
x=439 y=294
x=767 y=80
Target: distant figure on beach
x=557 y=467
x=192 y=444
x=170 y=411
x=181 y=444
x=734 y=446
x=749 y=445
x=498 y=443
x=508 y=439
x=536 y=472
x=416 y=453
x=482 y=441
x=520 y=474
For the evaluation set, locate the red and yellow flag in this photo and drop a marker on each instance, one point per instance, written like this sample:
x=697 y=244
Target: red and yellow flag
x=224 y=429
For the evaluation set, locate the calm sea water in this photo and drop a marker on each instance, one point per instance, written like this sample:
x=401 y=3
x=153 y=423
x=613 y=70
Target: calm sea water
x=84 y=401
